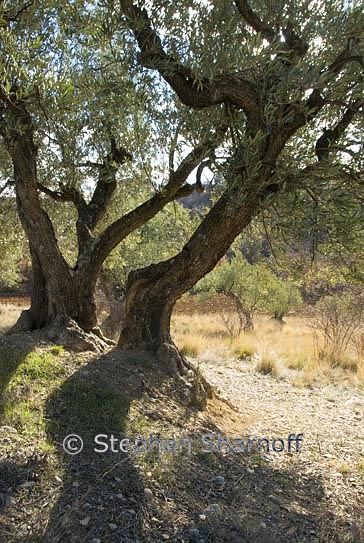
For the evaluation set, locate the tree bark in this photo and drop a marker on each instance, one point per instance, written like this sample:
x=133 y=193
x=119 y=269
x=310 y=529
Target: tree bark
x=59 y=293
x=151 y=292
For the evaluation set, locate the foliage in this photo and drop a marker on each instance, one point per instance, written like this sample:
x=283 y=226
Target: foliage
x=253 y=288
x=13 y=246
x=282 y=297
x=157 y=240
x=336 y=321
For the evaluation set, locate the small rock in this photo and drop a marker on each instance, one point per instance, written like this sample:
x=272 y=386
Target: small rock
x=202 y=516
x=8 y=429
x=95 y=540
x=27 y=484
x=165 y=537
x=120 y=496
x=113 y=526
x=193 y=533
x=263 y=525
x=85 y=521
x=213 y=508
x=148 y=494
x=219 y=480
x=76 y=484
x=117 y=479
x=250 y=470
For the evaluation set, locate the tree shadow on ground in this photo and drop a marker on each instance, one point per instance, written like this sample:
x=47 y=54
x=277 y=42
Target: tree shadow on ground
x=13 y=351
x=117 y=497
x=13 y=472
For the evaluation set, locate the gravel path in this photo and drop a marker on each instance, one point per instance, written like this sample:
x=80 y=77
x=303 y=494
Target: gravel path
x=331 y=419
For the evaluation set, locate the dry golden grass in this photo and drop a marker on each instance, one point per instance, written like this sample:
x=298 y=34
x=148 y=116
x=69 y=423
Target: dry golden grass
x=195 y=334
x=290 y=349
x=267 y=365
x=9 y=314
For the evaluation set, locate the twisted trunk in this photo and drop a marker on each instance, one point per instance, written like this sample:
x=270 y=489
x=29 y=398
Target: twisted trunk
x=152 y=291
x=67 y=296
x=58 y=293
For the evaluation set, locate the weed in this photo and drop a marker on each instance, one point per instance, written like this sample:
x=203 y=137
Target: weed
x=267 y=365
x=344 y=469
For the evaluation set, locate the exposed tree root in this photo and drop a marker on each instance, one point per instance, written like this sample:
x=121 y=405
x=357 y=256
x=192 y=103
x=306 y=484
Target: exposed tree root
x=174 y=363
x=64 y=331
x=68 y=334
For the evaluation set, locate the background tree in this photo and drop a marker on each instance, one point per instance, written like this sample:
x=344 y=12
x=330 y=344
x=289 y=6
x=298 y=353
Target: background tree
x=252 y=287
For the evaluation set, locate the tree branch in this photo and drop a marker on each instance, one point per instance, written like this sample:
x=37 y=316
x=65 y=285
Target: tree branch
x=175 y=188
x=10 y=19
x=5 y=98
x=343 y=58
x=254 y=21
x=229 y=88
x=331 y=136
x=293 y=43
x=58 y=196
x=105 y=186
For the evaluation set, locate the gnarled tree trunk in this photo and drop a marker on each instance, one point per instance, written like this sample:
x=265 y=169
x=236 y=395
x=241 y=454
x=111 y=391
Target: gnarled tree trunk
x=59 y=293
x=151 y=292
x=67 y=297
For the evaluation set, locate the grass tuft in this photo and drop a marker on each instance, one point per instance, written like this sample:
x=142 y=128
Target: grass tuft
x=267 y=365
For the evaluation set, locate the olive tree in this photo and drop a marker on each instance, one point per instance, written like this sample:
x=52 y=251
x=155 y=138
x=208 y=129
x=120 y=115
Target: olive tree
x=288 y=79
x=80 y=124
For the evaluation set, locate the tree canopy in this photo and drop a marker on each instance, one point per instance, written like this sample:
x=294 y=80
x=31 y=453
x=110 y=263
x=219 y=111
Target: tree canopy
x=138 y=96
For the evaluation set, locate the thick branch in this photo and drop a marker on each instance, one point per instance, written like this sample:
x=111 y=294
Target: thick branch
x=19 y=142
x=187 y=189
x=254 y=21
x=58 y=196
x=90 y=214
x=344 y=58
x=228 y=88
x=293 y=43
x=74 y=195
x=105 y=186
x=175 y=188
x=331 y=136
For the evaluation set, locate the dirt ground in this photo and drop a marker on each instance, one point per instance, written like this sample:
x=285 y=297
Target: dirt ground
x=315 y=495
